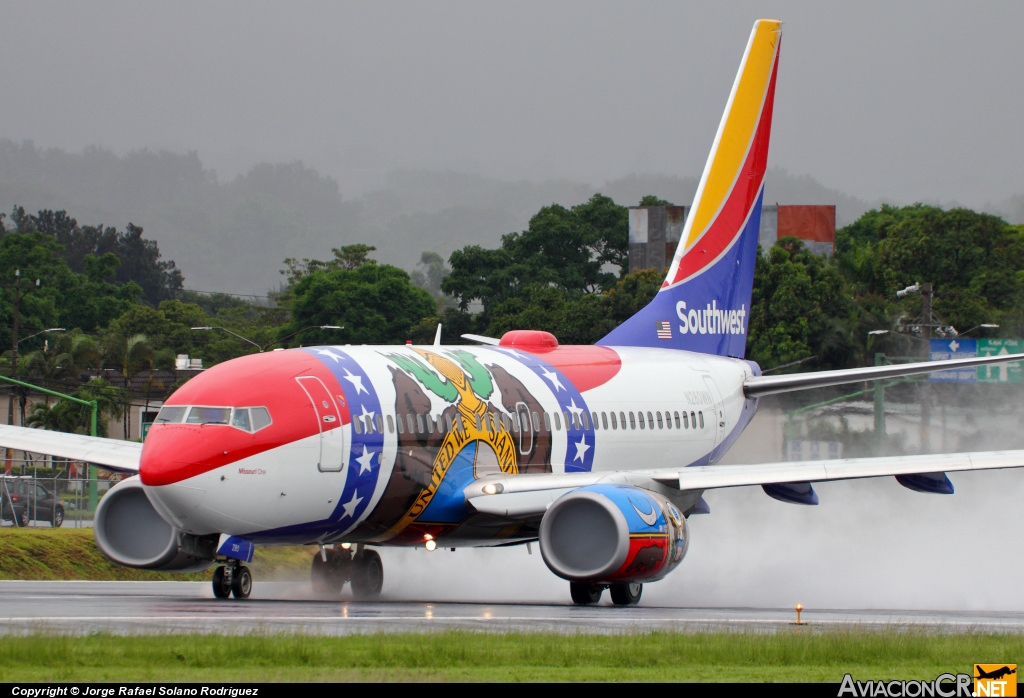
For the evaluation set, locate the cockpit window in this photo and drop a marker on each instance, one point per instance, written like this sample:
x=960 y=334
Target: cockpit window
x=260 y=418
x=250 y=419
x=171 y=414
x=240 y=419
x=209 y=415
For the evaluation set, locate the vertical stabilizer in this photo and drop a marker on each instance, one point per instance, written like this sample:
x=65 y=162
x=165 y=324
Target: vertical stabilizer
x=704 y=303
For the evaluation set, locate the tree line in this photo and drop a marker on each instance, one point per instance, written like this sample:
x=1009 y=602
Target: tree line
x=124 y=312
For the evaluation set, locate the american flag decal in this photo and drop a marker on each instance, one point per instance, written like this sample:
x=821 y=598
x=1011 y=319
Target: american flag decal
x=664 y=329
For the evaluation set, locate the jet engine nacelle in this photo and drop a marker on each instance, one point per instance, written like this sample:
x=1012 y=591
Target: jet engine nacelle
x=130 y=532
x=612 y=534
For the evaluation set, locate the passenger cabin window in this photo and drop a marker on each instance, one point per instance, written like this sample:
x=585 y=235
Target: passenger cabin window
x=640 y=418
x=632 y=421
x=677 y=419
x=701 y=415
x=650 y=420
x=558 y=423
x=615 y=423
x=547 y=421
x=693 y=420
x=586 y=420
x=604 y=420
x=661 y=425
x=380 y=423
x=398 y=423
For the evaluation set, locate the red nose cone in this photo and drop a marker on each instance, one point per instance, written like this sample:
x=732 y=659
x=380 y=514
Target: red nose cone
x=176 y=452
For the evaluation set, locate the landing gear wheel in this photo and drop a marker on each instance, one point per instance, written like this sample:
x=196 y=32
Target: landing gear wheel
x=58 y=517
x=368 y=576
x=221 y=583
x=585 y=594
x=241 y=582
x=626 y=594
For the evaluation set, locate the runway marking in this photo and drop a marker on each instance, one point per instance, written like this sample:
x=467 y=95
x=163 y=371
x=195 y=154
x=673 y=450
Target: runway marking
x=497 y=619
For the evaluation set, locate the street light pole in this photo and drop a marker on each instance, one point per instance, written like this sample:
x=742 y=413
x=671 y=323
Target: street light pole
x=22 y=394
x=14 y=354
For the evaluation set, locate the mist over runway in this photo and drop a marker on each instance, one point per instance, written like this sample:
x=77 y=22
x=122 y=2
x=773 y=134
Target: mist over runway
x=189 y=607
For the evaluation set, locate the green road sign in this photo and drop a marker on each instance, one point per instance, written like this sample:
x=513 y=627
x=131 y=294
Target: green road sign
x=1002 y=373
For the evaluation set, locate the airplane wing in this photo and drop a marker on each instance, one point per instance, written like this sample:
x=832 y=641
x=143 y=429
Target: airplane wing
x=758 y=386
x=523 y=497
x=112 y=454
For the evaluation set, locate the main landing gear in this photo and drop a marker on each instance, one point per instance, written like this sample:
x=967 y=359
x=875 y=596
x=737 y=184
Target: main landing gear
x=232 y=578
x=585 y=594
x=334 y=567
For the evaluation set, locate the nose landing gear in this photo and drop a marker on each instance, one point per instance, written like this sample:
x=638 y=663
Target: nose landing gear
x=232 y=578
x=333 y=568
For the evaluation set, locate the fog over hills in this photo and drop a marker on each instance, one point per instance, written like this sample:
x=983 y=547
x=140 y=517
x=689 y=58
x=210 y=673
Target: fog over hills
x=231 y=236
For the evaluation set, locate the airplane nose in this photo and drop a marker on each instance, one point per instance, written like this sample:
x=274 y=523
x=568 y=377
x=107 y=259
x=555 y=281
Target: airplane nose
x=174 y=453
x=173 y=457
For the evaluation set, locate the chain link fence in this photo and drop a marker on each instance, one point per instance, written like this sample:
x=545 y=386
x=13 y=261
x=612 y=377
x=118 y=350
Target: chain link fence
x=53 y=496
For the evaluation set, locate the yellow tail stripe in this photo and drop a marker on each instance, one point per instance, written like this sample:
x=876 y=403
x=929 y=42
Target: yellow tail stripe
x=737 y=128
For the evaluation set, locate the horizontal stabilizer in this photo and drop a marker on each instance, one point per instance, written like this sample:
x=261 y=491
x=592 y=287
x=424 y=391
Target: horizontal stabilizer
x=758 y=386
x=480 y=339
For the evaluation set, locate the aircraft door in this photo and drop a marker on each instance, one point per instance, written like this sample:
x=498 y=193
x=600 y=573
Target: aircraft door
x=716 y=411
x=525 y=428
x=332 y=436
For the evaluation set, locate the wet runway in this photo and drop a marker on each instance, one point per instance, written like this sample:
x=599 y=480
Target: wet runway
x=159 y=607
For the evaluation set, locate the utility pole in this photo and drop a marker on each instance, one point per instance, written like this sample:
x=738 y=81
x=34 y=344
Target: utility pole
x=14 y=354
x=927 y=292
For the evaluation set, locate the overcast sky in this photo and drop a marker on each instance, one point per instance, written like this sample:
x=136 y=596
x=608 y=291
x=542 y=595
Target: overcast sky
x=907 y=101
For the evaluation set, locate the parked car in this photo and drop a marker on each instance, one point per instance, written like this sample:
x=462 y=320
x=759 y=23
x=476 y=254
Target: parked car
x=23 y=500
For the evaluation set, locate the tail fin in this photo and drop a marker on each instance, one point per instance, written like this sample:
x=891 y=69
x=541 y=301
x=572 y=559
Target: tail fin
x=704 y=303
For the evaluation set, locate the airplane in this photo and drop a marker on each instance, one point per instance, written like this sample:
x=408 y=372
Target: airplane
x=994 y=674
x=598 y=453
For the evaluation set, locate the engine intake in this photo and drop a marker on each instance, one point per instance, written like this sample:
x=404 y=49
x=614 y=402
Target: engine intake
x=130 y=532
x=612 y=534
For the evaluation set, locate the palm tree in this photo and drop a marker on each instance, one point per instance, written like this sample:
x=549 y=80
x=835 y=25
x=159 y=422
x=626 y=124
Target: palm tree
x=75 y=418
x=131 y=354
x=65 y=358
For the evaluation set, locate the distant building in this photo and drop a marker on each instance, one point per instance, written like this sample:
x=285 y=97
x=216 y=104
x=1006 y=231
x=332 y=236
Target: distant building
x=654 y=231
x=815 y=225
x=653 y=235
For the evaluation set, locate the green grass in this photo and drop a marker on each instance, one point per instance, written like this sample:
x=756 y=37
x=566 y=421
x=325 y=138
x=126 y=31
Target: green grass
x=39 y=554
x=793 y=655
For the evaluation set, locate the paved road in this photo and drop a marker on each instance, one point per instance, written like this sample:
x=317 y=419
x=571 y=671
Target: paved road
x=153 y=607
